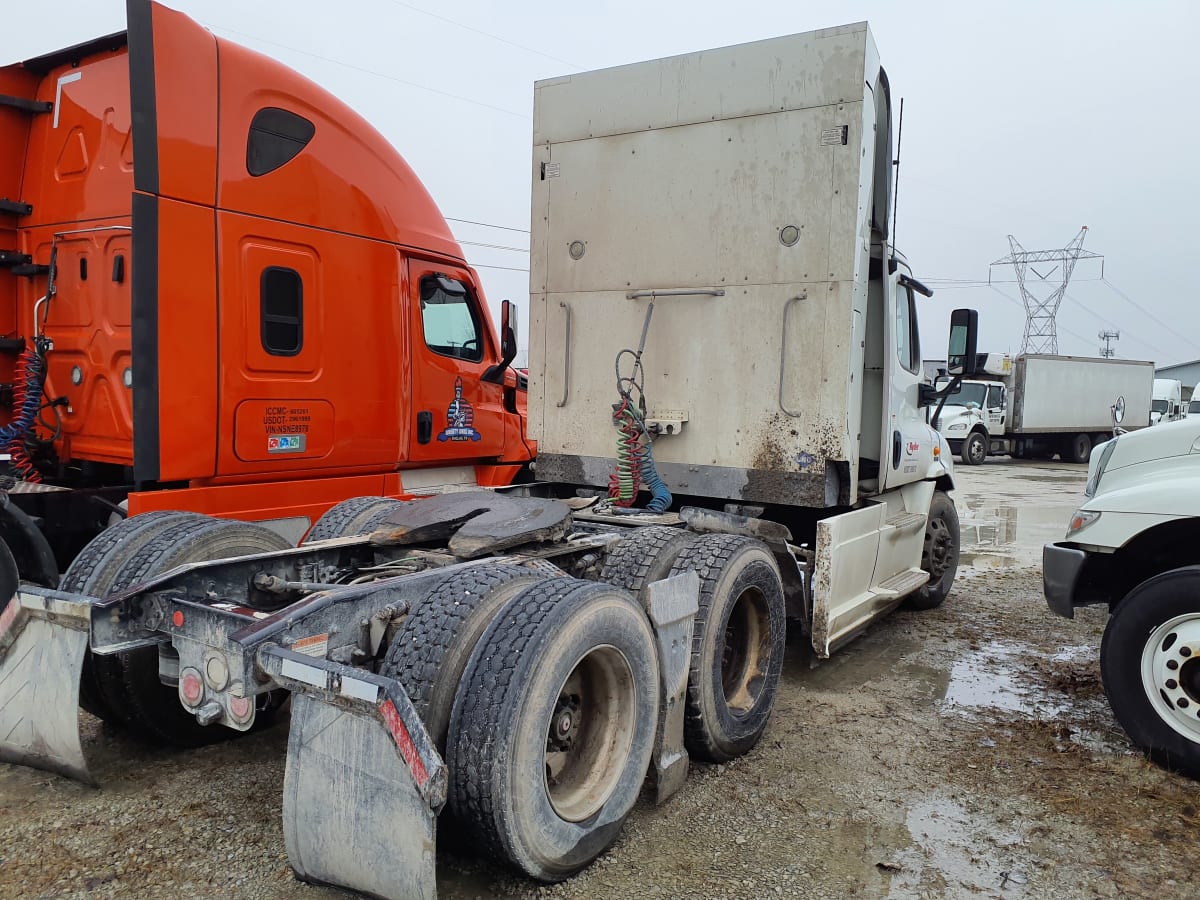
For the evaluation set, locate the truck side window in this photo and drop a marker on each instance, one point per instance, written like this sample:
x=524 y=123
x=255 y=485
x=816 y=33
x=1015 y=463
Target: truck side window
x=276 y=137
x=908 y=343
x=281 y=307
x=449 y=320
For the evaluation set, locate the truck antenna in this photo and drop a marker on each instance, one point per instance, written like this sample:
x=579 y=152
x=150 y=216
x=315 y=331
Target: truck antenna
x=896 y=163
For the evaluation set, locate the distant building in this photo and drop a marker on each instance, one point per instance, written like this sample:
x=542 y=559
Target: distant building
x=1187 y=372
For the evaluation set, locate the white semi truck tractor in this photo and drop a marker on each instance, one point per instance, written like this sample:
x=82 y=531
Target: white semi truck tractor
x=1134 y=546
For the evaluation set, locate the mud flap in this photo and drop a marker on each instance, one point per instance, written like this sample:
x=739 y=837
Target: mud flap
x=672 y=605
x=363 y=783
x=43 y=637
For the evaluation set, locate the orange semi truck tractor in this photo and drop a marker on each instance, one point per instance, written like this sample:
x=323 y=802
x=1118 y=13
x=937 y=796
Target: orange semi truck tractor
x=222 y=291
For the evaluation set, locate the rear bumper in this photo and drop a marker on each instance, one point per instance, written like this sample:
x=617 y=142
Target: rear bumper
x=1061 y=567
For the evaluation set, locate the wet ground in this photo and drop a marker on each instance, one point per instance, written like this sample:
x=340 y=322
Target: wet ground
x=966 y=751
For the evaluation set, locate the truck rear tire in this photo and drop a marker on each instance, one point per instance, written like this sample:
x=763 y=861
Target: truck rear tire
x=737 y=645
x=358 y=515
x=974 y=449
x=1077 y=448
x=430 y=651
x=939 y=556
x=553 y=726
x=643 y=556
x=1150 y=665
x=91 y=574
x=150 y=708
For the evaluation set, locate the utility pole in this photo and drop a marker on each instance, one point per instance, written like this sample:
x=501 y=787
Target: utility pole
x=1107 y=336
x=1041 y=335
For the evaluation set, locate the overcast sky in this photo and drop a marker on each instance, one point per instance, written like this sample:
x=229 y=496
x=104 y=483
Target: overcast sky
x=1021 y=118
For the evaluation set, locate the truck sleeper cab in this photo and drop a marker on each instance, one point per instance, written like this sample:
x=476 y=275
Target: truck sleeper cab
x=245 y=302
x=745 y=250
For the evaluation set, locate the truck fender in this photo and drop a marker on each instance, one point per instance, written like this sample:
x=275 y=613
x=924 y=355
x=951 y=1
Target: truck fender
x=34 y=557
x=941 y=470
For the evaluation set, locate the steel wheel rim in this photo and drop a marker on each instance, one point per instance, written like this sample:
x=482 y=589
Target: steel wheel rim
x=976 y=449
x=939 y=549
x=744 y=652
x=1171 y=674
x=589 y=734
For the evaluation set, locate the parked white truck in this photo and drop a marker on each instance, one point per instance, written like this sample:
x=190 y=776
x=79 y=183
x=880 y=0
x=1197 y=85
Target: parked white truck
x=1166 y=405
x=717 y=225
x=1134 y=545
x=1039 y=405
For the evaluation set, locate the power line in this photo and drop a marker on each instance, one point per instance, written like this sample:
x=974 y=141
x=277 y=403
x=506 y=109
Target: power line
x=338 y=62
x=487 y=225
x=494 y=246
x=501 y=268
x=494 y=37
x=1146 y=312
x=1106 y=321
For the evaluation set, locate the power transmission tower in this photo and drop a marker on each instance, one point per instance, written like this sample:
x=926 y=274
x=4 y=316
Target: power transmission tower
x=1107 y=336
x=1041 y=335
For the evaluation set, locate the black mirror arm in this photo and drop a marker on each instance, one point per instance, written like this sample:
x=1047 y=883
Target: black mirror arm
x=495 y=374
x=928 y=395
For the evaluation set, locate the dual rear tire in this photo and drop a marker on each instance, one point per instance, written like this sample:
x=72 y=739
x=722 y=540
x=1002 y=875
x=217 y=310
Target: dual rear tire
x=554 y=718
x=125 y=688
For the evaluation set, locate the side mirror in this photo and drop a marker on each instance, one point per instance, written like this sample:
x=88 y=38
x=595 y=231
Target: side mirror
x=508 y=342
x=964 y=332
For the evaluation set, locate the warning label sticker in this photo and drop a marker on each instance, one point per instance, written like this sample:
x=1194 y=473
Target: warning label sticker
x=314 y=645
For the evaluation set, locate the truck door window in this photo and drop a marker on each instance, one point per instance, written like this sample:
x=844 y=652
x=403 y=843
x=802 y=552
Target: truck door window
x=281 y=306
x=449 y=320
x=908 y=344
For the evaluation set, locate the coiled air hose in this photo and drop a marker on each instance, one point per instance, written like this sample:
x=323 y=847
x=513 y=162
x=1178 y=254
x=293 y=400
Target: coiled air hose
x=28 y=386
x=635 y=467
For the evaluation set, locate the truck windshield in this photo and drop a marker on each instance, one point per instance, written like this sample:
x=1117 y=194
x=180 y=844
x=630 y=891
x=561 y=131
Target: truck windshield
x=968 y=393
x=1194 y=407
x=1158 y=406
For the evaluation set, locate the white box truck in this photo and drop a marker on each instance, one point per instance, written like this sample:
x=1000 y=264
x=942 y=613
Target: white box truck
x=1040 y=405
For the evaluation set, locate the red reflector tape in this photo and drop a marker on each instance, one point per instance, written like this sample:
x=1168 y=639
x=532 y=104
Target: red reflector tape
x=400 y=735
x=10 y=614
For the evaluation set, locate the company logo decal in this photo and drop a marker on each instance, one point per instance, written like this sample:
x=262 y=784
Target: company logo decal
x=460 y=418
x=912 y=447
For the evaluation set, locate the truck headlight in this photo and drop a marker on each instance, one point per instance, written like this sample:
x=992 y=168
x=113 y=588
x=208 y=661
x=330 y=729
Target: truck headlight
x=1081 y=520
x=958 y=426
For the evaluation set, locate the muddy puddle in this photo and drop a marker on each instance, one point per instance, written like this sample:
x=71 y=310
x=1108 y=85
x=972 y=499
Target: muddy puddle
x=956 y=851
x=1004 y=534
x=990 y=678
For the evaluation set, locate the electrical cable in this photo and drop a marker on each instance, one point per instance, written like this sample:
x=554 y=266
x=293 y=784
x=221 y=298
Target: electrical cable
x=487 y=225
x=495 y=37
x=366 y=71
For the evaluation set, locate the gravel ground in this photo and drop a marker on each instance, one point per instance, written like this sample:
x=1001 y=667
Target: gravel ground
x=963 y=751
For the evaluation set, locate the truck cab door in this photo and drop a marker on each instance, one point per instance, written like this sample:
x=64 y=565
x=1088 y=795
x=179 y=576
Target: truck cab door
x=458 y=419
x=908 y=441
x=996 y=408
